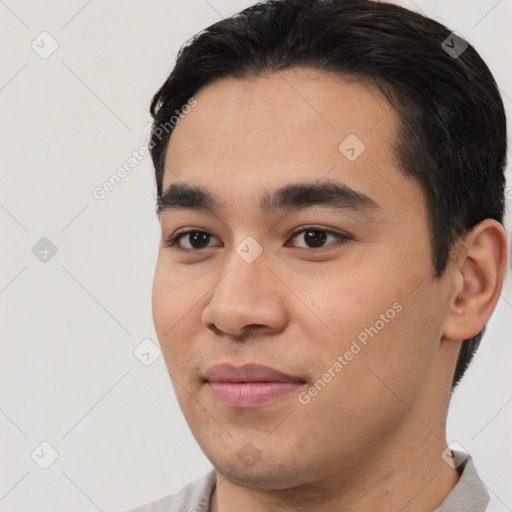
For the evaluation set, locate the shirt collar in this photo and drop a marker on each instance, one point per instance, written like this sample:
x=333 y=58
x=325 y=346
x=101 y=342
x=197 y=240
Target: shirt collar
x=470 y=493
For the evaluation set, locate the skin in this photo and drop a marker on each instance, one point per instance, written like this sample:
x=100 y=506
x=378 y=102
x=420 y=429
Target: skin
x=372 y=439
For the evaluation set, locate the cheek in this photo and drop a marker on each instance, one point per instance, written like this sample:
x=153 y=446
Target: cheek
x=176 y=302
x=351 y=300
x=161 y=299
x=173 y=295
x=383 y=366
x=168 y=307
x=400 y=350
x=381 y=318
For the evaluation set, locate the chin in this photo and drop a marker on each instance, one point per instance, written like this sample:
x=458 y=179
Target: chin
x=261 y=474
x=262 y=477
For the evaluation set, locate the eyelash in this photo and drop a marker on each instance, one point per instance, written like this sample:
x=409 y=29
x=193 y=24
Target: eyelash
x=172 y=240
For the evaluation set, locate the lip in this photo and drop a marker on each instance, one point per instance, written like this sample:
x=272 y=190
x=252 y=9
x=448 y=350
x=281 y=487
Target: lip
x=249 y=385
x=249 y=372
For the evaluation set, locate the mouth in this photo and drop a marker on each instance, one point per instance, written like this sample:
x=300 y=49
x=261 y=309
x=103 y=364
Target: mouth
x=250 y=385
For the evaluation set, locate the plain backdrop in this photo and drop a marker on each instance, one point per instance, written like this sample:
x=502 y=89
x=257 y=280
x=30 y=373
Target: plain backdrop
x=76 y=272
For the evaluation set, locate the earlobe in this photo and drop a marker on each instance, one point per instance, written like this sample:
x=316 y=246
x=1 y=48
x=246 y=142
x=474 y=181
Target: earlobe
x=478 y=280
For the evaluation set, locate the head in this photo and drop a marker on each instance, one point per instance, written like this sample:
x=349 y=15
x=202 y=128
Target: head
x=351 y=99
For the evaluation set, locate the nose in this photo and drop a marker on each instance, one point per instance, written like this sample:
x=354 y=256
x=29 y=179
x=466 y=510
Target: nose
x=248 y=297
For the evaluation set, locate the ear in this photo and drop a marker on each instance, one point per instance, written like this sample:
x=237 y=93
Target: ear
x=478 y=274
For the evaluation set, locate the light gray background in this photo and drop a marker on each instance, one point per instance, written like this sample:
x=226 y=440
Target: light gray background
x=70 y=325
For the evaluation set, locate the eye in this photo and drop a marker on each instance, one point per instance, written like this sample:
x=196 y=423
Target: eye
x=314 y=237
x=197 y=239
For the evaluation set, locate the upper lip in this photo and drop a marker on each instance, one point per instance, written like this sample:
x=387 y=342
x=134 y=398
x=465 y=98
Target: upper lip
x=247 y=373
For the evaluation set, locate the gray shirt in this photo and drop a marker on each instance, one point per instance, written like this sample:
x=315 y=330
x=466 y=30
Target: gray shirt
x=469 y=495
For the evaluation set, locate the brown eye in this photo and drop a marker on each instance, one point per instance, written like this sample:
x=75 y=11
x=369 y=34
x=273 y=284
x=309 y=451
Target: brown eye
x=197 y=240
x=315 y=237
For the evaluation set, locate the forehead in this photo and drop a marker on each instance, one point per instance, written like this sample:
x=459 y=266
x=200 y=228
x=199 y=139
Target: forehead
x=298 y=104
x=254 y=134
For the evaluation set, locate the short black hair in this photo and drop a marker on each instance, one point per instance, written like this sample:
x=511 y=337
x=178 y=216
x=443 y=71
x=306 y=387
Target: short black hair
x=452 y=126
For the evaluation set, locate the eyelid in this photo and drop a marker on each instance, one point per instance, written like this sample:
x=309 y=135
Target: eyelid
x=313 y=227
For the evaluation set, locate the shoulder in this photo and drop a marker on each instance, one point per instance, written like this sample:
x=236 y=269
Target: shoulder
x=194 y=497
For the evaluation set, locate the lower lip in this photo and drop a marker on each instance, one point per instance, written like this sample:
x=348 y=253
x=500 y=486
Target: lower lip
x=251 y=394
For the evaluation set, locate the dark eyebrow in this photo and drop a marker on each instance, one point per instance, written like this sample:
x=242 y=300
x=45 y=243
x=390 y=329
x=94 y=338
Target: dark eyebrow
x=294 y=196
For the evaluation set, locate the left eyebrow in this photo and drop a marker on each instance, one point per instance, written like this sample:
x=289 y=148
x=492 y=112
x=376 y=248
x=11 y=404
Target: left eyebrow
x=294 y=196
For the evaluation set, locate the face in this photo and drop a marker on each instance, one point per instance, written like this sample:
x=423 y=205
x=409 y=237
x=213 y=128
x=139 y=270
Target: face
x=337 y=294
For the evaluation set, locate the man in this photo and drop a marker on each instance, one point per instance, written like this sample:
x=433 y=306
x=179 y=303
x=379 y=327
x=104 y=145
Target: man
x=331 y=204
